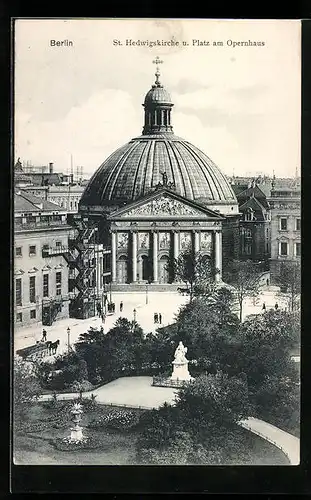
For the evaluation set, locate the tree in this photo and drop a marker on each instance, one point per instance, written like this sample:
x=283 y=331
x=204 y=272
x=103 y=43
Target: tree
x=244 y=277
x=264 y=355
x=289 y=280
x=121 y=351
x=195 y=270
x=207 y=327
x=200 y=428
x=210 y=403
x=26 y=387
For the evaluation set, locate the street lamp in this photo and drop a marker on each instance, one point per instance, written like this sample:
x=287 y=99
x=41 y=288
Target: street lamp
x=68 y=334
x=146 y=293
x=134 y=314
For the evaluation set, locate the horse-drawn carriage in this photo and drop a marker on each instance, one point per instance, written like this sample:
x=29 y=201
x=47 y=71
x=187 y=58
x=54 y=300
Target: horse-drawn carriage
x=39 y=350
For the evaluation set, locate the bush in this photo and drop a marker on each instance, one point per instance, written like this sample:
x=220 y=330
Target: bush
x=83 y=386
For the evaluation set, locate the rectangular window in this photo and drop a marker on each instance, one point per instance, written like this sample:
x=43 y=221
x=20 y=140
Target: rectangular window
x=18 y=291
x=248 y=248
x=298 y=249
x=58 y=283
x=32 y=250
x=58 y=243
x=45 y=285
x=19 y=317
x=283 y=224
x=283 y=248
x=18 y=251
x=32 y=314
x=298 y=224
x=32 y=289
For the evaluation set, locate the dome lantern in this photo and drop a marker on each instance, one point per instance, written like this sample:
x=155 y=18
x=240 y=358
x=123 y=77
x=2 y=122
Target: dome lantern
x=158 y=106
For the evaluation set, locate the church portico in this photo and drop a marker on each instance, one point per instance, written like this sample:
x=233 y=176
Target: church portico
x=147 y=235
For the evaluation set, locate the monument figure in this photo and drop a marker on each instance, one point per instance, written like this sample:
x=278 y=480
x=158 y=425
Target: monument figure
x=164 y=178
x=180 y=364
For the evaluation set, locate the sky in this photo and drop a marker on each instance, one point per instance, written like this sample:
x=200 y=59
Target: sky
x=239 y=104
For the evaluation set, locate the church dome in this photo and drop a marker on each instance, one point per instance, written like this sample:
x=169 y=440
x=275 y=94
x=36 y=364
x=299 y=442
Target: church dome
x=156 y=158
x=136 y=168
x=157 y=94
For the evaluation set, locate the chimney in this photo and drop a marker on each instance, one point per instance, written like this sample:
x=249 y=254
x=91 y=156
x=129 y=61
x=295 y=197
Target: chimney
x=51 y=169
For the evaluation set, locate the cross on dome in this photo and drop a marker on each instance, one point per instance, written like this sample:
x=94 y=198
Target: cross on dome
x=157 y=61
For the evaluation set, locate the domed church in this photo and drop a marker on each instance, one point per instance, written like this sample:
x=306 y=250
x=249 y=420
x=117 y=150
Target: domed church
x=158 y=195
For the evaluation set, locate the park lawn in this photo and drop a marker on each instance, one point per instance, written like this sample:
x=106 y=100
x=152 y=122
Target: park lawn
x=117 y=447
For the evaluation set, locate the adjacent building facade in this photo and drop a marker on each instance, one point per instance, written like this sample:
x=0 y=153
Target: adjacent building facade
x=255 y=223
x=285 y=206
x=41 y=237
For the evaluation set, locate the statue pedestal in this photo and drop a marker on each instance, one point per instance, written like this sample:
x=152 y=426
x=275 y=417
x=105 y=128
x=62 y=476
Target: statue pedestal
x=76 y=433
x=180 y=371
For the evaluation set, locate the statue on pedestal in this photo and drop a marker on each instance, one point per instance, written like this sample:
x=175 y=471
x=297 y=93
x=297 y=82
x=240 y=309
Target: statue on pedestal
x=180 y=364
x=180 y=353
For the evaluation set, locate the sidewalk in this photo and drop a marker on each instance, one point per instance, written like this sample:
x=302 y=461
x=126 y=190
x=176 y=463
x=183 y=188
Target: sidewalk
x=288 y=443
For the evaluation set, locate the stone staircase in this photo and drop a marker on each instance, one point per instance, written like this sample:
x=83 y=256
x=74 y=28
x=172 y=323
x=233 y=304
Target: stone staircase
x=141 y=287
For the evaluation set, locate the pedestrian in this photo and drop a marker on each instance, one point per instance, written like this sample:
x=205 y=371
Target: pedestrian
x=267 y=281
x=276 y=306
x=113 y=307
x=160 y=318
x=44 y=335
x=103 y=317
x=156 y=318
x=121 y=306
x=99 y=309
x=264 y=306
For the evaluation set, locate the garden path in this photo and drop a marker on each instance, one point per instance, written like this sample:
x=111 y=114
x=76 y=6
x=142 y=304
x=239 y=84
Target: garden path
x=138 y=392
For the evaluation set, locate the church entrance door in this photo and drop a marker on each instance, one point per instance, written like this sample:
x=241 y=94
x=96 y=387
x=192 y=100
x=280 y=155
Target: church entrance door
x=122 y=269
x=145 y=268
x=164 y=275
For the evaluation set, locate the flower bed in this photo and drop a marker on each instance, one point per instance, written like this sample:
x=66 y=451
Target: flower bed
x=116 y=419
x=87 y=443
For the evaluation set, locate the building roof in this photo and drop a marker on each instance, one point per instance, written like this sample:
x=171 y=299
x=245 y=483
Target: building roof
x=41 y=179
x=253 y=192
x=254 y=204
x=138 y=167
x=25 y=202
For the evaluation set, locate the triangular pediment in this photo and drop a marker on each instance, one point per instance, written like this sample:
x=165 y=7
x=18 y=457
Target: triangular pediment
x=46 y=268
x=167 y=205
x=19 y=272
x=59 y=266
x=32 y=270
x=254 y=204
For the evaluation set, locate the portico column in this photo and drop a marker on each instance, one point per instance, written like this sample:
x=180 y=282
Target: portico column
x=196 y=242
x=176 y=244
x=155 y=257
x=218 y=256
x=134 y=256
x=176 y=249
x=113 y=257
